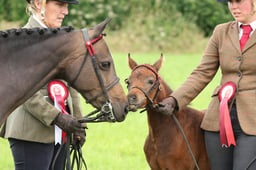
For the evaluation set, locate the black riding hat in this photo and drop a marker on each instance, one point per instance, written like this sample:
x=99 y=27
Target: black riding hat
x=65 y=1
x=69 y=1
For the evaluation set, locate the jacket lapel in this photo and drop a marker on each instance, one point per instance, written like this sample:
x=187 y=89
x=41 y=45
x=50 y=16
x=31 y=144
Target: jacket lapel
x=234 y=36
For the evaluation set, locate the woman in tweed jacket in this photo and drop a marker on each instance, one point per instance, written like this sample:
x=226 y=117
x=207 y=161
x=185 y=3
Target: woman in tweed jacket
x=237 y=64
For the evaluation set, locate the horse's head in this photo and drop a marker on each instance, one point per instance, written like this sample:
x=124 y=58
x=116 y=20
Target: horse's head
x=93 y=75
x=143 y=83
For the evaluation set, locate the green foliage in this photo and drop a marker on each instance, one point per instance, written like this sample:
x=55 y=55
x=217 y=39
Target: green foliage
x=158 y=28
x=205 y=14
x=13 y=10
x=91 y=12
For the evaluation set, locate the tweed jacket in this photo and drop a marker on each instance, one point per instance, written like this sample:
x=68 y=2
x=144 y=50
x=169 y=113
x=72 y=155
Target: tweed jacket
x=223 y=51
x=32 y=121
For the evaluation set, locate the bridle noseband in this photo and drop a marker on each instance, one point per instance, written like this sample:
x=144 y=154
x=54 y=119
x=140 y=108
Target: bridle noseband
x=156 y=84
x=106 y=112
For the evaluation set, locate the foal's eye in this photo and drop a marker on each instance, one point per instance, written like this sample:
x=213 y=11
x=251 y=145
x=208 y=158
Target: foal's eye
x=127 y=82
x=105 y=65
x=151 y=82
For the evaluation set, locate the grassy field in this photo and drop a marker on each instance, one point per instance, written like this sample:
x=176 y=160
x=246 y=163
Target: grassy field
x=119 y=146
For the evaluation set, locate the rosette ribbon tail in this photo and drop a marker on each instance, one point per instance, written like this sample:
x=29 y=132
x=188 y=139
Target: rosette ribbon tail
x=226 y=132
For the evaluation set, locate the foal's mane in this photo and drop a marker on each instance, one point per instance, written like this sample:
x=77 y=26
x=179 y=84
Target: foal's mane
x=29 y=31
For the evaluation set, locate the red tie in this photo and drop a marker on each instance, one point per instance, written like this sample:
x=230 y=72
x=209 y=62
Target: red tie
x=246 y=33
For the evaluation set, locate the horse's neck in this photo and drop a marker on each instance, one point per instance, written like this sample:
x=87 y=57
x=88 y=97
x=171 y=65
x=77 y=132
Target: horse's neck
x=29 y=64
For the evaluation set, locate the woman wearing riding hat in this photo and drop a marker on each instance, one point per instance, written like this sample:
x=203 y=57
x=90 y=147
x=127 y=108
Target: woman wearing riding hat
x=230 y=121
x=30 y=129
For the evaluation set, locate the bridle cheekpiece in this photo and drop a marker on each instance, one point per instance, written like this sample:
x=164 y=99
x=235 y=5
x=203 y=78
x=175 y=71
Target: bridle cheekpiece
x=106 y=112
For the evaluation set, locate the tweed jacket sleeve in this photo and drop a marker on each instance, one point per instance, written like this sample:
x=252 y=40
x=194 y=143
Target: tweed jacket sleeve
x=201 y=75
x=77 y=111
x=41 y=109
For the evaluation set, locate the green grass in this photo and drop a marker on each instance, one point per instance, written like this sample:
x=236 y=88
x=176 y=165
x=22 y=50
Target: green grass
x=119 y=146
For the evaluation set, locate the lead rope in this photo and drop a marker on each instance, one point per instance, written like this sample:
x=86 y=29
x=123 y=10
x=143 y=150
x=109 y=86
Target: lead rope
x=251 y=163
x=66 y=148
x=185 y=138
x=76 y=154
x=77 y=157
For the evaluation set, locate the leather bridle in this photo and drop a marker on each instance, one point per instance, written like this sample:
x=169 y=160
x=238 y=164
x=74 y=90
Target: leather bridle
x=156 y=84
x=106 y=112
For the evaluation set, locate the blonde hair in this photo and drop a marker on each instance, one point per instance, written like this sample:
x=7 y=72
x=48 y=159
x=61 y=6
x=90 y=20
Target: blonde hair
x=254 y=5
x=31 y=7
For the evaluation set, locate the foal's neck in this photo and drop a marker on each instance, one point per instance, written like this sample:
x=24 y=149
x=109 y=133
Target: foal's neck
x=164 y=92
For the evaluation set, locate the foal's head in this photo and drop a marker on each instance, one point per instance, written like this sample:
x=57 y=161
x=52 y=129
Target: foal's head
x=143 y=84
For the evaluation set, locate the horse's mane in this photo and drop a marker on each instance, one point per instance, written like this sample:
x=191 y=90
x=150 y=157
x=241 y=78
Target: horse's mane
x=36 y=30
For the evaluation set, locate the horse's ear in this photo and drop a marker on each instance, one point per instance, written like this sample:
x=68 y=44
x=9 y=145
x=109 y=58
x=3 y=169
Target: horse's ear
x=131 y=62
x=158 y=64
x=98 y=29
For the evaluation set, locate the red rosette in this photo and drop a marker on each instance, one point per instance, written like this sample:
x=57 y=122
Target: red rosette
x=226 y=93
x=58 y=92
x=57 y=88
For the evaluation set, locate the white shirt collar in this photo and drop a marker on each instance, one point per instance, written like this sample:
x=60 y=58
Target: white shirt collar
x=253 y=25
x=39 y=21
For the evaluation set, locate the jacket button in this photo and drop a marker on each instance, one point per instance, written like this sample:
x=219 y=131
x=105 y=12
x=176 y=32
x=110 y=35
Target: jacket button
x=239 y=58
x=239 y=74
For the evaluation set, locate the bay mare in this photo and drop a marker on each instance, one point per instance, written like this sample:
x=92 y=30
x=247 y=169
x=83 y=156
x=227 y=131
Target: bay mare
x=165 y=147
x=30 y=58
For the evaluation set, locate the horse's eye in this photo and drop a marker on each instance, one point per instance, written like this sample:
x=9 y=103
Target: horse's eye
x=151 y=82
x=105 y=65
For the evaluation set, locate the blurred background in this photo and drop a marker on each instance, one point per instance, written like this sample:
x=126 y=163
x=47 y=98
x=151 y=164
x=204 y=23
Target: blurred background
x=140 y=25
x=179 y=29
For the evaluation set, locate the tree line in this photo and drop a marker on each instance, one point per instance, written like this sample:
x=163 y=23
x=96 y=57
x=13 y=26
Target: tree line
x=204 y=14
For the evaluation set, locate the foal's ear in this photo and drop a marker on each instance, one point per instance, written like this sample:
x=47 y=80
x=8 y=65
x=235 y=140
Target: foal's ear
x=158 y=64
x=131 y=62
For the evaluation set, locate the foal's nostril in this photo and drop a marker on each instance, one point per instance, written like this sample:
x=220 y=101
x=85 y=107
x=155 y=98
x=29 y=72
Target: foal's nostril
x=132 y=97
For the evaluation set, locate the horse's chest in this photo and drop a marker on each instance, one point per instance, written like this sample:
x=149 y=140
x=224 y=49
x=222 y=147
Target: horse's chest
x=160 y=142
